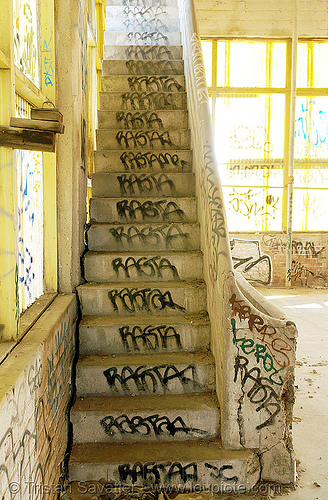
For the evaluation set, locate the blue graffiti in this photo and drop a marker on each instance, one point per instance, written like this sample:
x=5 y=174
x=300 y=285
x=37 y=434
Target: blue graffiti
x=312 y=124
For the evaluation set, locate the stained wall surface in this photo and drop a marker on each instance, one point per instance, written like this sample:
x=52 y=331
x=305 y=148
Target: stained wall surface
x=261 y=18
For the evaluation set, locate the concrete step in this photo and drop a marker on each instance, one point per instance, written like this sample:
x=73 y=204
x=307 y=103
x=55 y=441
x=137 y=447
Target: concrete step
x=123 y=334
x=134 y=101
x=142 y=12
x=164 y=417
x=134 y=67
x=195 y=464
x=162 y=52
x=144 y=299
x=106 y=185
x=111 y=267
x=132 y=374
x=143 y=83
x=132 y=139
x=142 y=38
x=143 y=161
x=143 y=210
x=173 y=237
x=158 y=23
x=156 y=120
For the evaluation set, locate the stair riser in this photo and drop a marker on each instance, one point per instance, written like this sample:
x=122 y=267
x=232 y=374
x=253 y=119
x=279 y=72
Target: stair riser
x=138 y=120
x=140 y=12
x=211 y=476
x=143 y=83
x=147 y=379
x=152 y=210
x=110 y=268
x=124 y=23
x=128 y=427
x=142 y=185
x=143 y=338
x=134 y=67
x=113 y=301
x=142 y=38
x=162 y=52
x=143 y=161
x=158 y=237
x=132 y=139
x=142 y=101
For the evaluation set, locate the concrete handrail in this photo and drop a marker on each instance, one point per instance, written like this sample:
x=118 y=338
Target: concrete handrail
x=253 y=343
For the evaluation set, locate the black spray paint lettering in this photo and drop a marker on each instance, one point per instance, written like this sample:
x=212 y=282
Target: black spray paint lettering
x=255 y=266
x=144 y=299
x=305 y=276
x=134 y=161
x=142 y=183
x=154 y=84
x=149 y=209
x=146 y=426
x=144 y=67
x=129 y=139
x=142 y=12
x=261 y=392
x=218 y=473
x=147 y=38
x=131 y=120
x=149 y=474
x=309 y=249
x=148 y=100
x=153 y=52
x=148 y=235
x=153 y=267
x=149 y=337
x=150 y=380
x=148 y=24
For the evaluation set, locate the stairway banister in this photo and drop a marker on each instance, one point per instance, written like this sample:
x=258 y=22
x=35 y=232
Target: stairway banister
x=237 y=321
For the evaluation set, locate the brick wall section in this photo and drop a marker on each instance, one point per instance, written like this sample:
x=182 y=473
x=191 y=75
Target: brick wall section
x=263 y=18
x=309 y=258
x=35 y=388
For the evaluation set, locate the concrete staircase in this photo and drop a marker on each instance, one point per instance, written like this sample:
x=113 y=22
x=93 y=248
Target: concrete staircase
x=146 y=411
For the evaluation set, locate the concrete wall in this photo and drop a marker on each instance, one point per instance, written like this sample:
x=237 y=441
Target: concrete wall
x=72 y=149
x=261 y=258
x=261 y=18
x=35 y=387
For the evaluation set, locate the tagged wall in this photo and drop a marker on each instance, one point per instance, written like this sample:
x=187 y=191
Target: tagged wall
x=261 y=258
x=34 y=394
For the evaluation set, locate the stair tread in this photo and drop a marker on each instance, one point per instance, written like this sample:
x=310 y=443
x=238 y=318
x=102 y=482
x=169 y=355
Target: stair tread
x=146 y=284
x=149 y=402
x=195 y=319
x=173 y=253
x=163 y=451
x=133 y=359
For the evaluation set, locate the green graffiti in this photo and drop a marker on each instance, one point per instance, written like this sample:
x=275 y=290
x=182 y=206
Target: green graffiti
x=260 y=352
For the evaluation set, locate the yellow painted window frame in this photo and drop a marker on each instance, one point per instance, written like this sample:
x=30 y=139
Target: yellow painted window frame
x=309 y=91
x=12 y=82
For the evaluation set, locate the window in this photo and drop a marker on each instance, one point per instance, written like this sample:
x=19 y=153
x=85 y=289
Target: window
x=249 y=88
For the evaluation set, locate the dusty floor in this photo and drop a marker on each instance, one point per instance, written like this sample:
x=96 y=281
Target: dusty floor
x=309 y=310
